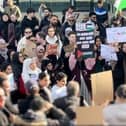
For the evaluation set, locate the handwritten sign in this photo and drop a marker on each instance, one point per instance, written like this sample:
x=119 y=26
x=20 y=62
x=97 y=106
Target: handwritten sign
x=51 y=49
x=69 y=48
x=116 y=34
x=108 y=53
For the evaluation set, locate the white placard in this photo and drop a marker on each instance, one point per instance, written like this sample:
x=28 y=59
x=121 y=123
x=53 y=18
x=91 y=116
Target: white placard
x=116 y=34
x=108 y=53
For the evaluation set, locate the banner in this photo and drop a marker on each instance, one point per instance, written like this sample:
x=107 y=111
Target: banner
x=85 y=38
x=108 y=53
x=116 y=35
x=120 y=4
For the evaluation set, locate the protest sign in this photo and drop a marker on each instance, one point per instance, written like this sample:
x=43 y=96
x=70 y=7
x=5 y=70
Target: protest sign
x=108 y=53
x=85 y=38
x=51 y=49
x=87 y=116
x=117 y=34
x=69 y=48
x=102 y=87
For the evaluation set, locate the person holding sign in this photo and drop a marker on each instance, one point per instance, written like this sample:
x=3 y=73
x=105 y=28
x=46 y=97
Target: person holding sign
x=100 y=62
x=68 y=55
x=53 y=46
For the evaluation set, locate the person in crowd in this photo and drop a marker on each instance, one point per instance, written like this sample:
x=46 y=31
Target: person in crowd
x=114 y=114
x=3 y=117
x=54 y=21
x=119 y=72
x=40 y=37
x=30 y=70
x=48 y=66
x=29 y=49
x=4 y=83
x=12 y=42
x=17 y=67
x=22 y=42
x=44 y=82
x=68 y=66
x=59 y=90
x=115 y=22
x=32 y=91
x=52 y=39
x=100 y=62
x=70 y=102
x=35 y=115
x=7 y=69
x=46 y=19
x=5 y=20
x=69 y=12
x=17 y=26
x=41 y=10
x=3 y=50
x=30 y=21
x=10 y=9
x=40 y=55
x=68 y=26
x=101 y=12
x=119 y=19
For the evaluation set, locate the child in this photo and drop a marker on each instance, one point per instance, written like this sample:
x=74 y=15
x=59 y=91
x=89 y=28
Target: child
x=59 y=90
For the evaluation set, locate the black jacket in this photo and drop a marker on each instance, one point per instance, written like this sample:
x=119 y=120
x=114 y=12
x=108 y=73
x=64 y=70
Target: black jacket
x=45 y=94
x=29 y=23
x=68 y=104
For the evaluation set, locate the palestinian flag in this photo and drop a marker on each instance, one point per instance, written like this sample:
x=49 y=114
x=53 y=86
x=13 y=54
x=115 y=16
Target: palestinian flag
x=120 y=4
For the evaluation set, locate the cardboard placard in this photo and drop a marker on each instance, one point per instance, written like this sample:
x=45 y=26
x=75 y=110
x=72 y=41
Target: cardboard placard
x=69 y=48
x=117 y=34
x=102 y=87
x=88 y=116
x=85 y=38
x=51 y=49
x=108 y=53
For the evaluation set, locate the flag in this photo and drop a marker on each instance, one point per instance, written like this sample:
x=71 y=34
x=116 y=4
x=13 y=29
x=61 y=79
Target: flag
x=120 y=4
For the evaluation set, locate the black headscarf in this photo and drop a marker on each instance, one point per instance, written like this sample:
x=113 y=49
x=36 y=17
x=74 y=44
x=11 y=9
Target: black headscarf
x=16 y=66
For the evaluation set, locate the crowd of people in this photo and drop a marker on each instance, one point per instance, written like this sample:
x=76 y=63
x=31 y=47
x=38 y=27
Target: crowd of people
x=40 y=81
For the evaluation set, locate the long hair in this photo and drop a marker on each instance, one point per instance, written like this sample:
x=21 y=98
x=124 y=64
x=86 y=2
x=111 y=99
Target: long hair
x=11 y=36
